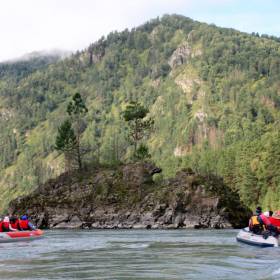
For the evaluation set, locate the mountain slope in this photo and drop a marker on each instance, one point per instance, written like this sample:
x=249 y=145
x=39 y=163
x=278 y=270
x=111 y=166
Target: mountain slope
x=213 y=92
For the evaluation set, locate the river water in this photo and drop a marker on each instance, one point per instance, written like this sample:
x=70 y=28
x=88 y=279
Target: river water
x=138 y=254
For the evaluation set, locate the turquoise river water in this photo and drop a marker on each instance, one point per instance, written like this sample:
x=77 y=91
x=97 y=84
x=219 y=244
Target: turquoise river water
x=138 y=254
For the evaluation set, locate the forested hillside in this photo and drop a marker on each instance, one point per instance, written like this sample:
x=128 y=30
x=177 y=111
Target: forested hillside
x=214 y=95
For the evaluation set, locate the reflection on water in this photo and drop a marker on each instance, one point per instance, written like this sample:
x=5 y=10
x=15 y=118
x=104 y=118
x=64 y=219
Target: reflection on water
x=138 y=254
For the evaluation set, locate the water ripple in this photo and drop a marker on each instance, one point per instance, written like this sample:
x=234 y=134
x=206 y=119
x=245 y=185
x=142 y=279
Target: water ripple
x=138 y=254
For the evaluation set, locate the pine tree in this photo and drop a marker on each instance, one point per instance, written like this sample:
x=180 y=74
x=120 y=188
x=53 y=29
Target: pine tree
x=142 y=153
x=139 y=127
x=66 y=142
x=77 y=109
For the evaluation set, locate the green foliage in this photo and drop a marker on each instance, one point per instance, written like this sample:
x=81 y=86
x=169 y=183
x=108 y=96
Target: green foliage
x=215 y=110
x=139 y=126
x=66 y=140
x=20 y=69
x=142 y=153
x=134 y=112
x=76 y=107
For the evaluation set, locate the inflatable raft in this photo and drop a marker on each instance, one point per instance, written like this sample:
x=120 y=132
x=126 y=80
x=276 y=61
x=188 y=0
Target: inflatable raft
x=247 y=237
x=14 y=236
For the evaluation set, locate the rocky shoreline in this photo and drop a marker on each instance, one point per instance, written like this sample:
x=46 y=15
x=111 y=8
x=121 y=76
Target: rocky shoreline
x=128 y=198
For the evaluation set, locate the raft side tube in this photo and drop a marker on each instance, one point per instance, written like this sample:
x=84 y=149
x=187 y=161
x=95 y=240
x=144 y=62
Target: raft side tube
x=249 y=238
x=14 y=236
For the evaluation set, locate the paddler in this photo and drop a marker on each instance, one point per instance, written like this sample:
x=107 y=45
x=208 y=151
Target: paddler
x=25 y=224
x=256 y=223
x=275 y=220
x=14 y=222
x=6 y=226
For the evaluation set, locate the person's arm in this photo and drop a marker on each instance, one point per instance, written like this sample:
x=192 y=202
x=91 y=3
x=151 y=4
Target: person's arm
x=250 y=224
x=31 y=226
x=12 y=229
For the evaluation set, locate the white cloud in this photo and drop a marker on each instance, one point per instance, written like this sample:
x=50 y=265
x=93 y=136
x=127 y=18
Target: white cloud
x=29 y=25
x=69 y=24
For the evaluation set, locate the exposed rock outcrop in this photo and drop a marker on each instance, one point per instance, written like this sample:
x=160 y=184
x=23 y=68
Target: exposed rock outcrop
x=107 y=198
x=182 y=54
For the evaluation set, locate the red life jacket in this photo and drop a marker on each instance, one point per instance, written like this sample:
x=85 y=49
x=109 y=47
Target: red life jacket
x=1 y=225
x=24 y=224
x=275 y=222
x=15 y=224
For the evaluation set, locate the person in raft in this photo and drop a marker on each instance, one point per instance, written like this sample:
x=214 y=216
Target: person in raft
x=274 y=219
x=260 y=223
x=6 y=226
x=25 y=224
x=15 y=224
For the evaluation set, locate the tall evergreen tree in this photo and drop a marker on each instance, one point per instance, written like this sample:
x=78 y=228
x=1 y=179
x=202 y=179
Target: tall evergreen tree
x=66 y=142
x=139 y=126
x=77 y=109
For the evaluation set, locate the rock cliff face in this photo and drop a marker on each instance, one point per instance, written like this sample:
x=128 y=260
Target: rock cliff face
x=127 y=197
x=182 y=54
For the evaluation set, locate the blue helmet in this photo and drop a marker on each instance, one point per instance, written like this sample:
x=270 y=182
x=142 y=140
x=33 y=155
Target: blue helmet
x=24 y=217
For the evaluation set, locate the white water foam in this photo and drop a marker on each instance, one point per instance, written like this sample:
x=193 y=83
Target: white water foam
x=276 y=272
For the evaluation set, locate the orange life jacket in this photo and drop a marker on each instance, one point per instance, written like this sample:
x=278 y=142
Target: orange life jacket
x=255 y=220
x=256 y=225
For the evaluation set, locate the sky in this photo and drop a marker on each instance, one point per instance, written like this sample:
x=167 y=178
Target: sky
x=37 y=25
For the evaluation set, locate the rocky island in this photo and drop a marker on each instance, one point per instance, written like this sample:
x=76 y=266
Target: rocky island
x=128 y=197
